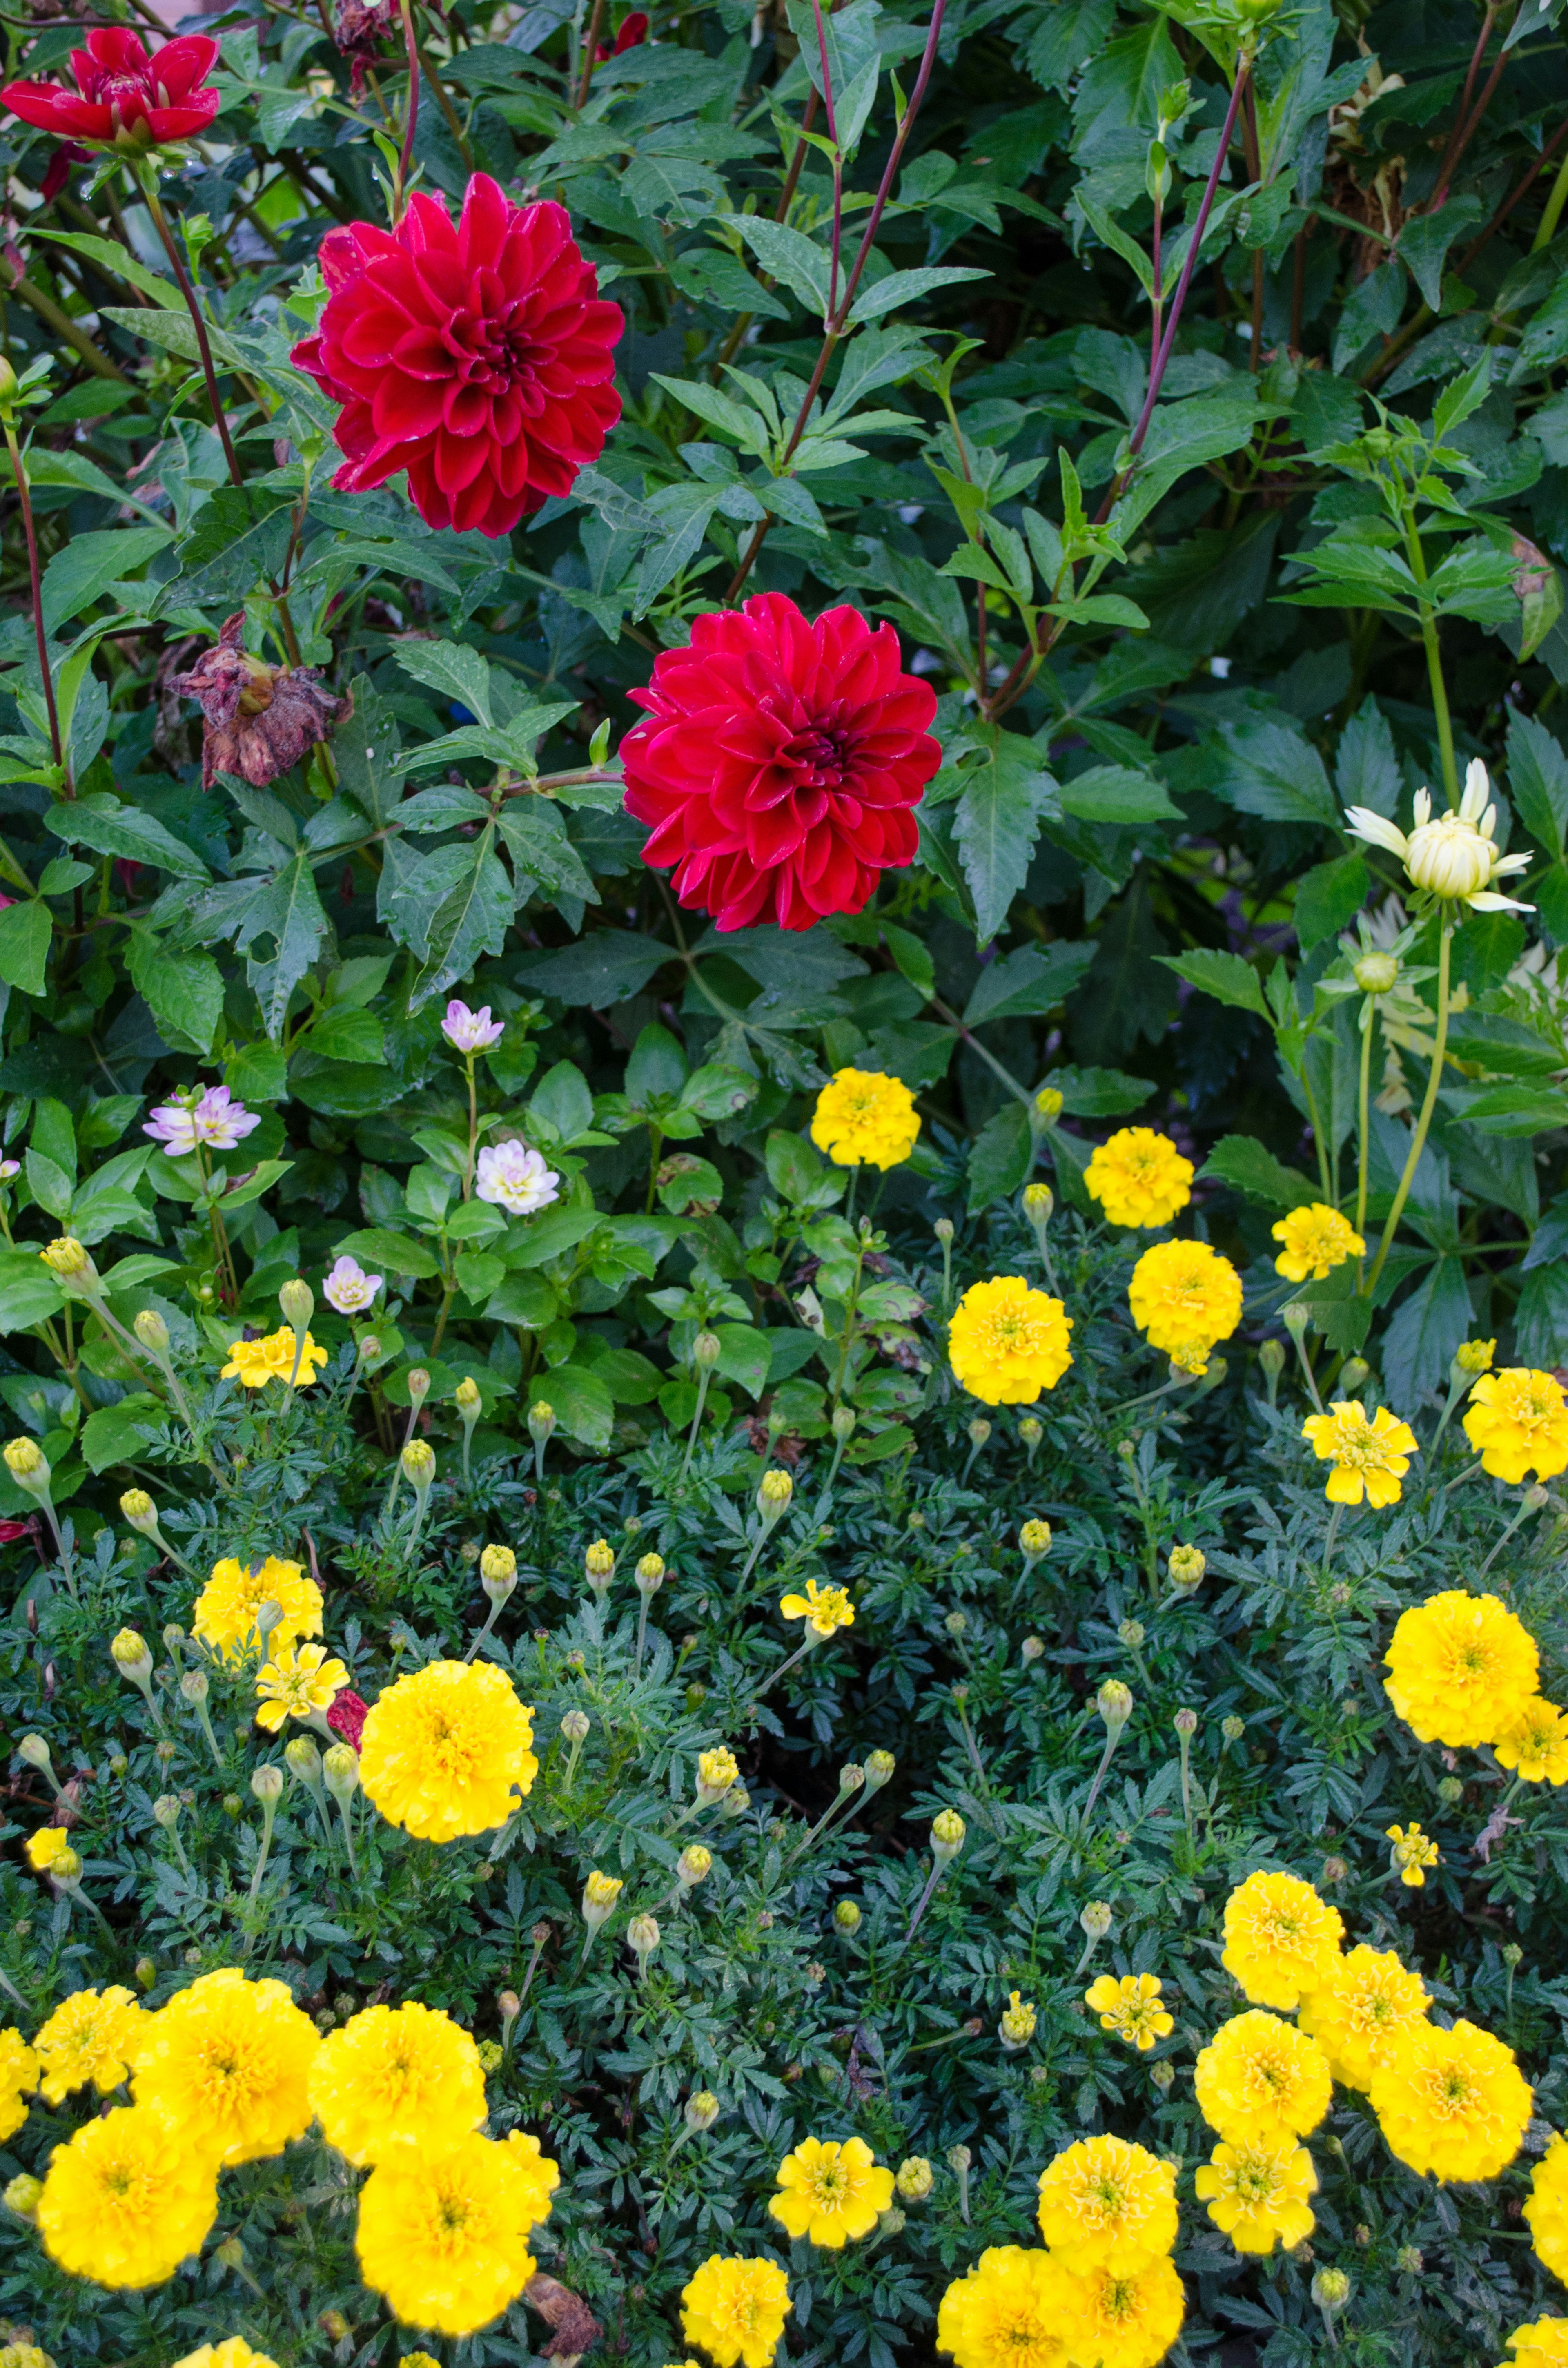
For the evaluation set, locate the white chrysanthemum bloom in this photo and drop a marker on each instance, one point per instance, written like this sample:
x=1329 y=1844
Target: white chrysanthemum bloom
x=515 y=1177
x=1456 y=856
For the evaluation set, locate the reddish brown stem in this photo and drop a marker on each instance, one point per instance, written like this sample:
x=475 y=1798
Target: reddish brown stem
x=1467 y=135
x=18 y=469
x=1451 y=147
x=411 y=123
x=1507 y=208
x=837 y=160
x=590 y=51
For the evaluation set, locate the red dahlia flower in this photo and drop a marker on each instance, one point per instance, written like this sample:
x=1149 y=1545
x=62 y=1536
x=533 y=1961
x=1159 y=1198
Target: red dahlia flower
x=478 y=355
x=631 y=36
x=124 y=98
x=780 y=763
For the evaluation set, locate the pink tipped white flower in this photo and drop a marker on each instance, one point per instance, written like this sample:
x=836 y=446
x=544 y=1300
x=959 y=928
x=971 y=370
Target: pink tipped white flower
x=211 y=1117
x=515 y=1178
x=1455 y=857
x=349 y=1288
x=9 y=1168
x=471 y=1032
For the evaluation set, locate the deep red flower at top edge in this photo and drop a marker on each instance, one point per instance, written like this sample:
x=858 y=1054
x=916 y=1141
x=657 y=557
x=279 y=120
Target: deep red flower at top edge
x=123 y=98
x=478 y=355
x=631 y=36
x=347 y=1716
x=780 y=763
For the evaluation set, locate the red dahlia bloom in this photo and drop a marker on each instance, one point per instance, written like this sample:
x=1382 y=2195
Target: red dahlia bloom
x=478 y=355
x=631 y=36
x=780 y=763
x=347 y=1716
x=124 y=98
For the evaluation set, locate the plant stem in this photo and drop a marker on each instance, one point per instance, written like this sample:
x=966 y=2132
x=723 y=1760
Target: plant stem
x=411 y=117
x=24 y=497
x=198 y=322
x=1364 y=1121
x=590 y=49
x=1526 y=1509
x=1546 y=229
x=704 y=1375
x=1429 y=1103
x=1434 y=668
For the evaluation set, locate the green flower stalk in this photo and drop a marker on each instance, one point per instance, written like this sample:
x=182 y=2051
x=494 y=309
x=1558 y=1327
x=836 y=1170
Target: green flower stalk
x=1031 y=1430
x=943 y=1229
x=1095 y=1923
x=851 y=1780
x=418 y=1465
x=153 y=1334
x=773 y=1495
x=30 y=1468
x=165 y=1811
x=706 y=1351
x=959 y=2161
x=541 y=1430
x=33 y=1751
x=194 y=1687
x=143 y=1516
x=947 y=1831
x=130 y=1657
x=1185 y=1725
x=648 y=1576
x=498 y=1577
x=298 y=1302
x=1034 y=1543
x=1296 y=1318
x=340 y=1773
x=470 y=1405
x=575 y=1726
x=267 y=1784
x=979 y=1432
x=304 y=1763
x=1040 y=1203
x=1114 y=1704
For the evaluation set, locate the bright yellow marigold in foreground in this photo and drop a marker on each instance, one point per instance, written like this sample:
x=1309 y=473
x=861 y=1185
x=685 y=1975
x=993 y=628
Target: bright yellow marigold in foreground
x=445 y=1749
x=1183 y=1293
x=1009 y=2311
x=1139 y=1177
x=1535 y=1743
x=1125 y=2320
x=1256 y=2193
x=50 y=1843
x=296 y=1682
x=1370 y=1454
x=1132 y=2005
x=1008 y=1343
x=862 y=1117
x=1542 y=2344
x=831 y=2194
x=1517 y=1422
x=1261 y=2079
x=1461 y=1668
x=1362 y=2012
x=228 y=2062
x=1316 y=1240
x=824 y=1610
x=127 y=2200
x=256 y=1363
x=93 y=2037
x=1281 y=1939
x=1546 y=2212
x=18 y=2079
x=735 y=2309
x=443 y=2236
x=1452 y=2102
x=232 y=2352
x=225 y=1610
x=1107 y=2203
x=393 y=2076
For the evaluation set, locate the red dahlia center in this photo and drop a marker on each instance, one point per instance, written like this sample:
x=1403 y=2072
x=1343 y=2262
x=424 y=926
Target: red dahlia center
x=818 y=757
x=496 y=356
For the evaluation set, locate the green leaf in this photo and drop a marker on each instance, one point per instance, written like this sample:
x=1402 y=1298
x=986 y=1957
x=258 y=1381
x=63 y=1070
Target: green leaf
x=785 y=254
x=1028 y=982
x=119 y=1434
x=287 y=909
x=1000 y=807
x=1098 y=1093
x=82 y=571
x=25 y=930
x=1329 y=897
x=173 y=331
x=1000 y=1157
x=1114 y=794
x=109 y=827
x=450 y=667
x=29 y=1292
x=548 y=1235
x=380 y=1252
x=581 y=1401
x=1238 y=1161
x=599 y=970
x=1229 y=978
x=901 y=288
x=1537 y=781
x=1270 y=770
x=744 y=1357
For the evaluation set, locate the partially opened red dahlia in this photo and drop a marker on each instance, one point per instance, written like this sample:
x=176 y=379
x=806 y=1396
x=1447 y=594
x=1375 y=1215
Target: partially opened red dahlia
x=476 y=354
x=123 y=98
x=780 y=763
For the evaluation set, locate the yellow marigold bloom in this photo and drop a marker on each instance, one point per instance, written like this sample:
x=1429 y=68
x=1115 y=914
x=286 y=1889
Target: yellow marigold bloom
x=1547 y=2210
x=127 y=2200
x=18 y=2079
x=537 y=2175
x=232 y=2352
x=831 y=2194
x=1413 y=1853
x=1008 y=1343
x=228 y=2062
x=735 y=2309
x=1132 y=2005
x=1107 y=2203
x=1461 y=1668
x=1517 y=1422
x=446 y=1748
x=1281 y=1939
x=1315 y=1241
x=1542 y=2344
x=297 y=1680
x=1182 y=1292
x=1370 y=1455
x=1475 y=1356
x=1452 y=2102
x=1139 y=1177
x=1535 y=1743
x=393 y=2076
x=1256 y=2193
x=49 y=1844
x=863 y=1117
x=1362 y=2010
x=1127 y=2320
x=1259 y=2077
x=444 y=2237
x=93 y=2037
x=1009 y=2311
x=24 y=2355
x=1019 y=2017
x=225 y=1610
x=717 y=1770
x=823 y=1608
x=256 y=1363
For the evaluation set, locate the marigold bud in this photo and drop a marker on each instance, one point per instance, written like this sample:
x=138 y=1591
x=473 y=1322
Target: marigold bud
x=340 y=1771
x=65 y=1258
x=1048 y=1107
x=1016 y=2027
x=230 y=2252
x=140 y=1511
x=1031 y=1430
x=1331 y=2290
x=369 y=1349
x=128 y=1652
x=1032 y=1648
x=846 y=1916
x=1132 y=1634
x=418 y=1462
x=1271 y=1357
x=298 y=1302
x=1096 y=1919
x=842 y=1424
x=599 y=1895
x=418 y=1385
x=1035 y=1539
x=498 y=1572
x=266 y=1782
x=1187 y=1565
x=1410 y=2261
x=575 y=1726
x=28 y=1465
x=152 y=1331
x=468 y=1398
x=880 y=1766
x=650 y=1573
x=694 y=1864
x=943 y=1229
x=1232 y=1728
x=947 y=1830
x=735 y=1802
x=35 y=1751
x=303 y=1758
x=541 y=1421
x=1450 y=1790
x=510 y=2006
x=716 y=1771
x=1475 y=1356
x=706 y=1350
x=66 y=1868
x=914 y=2179
x=643 y=1934
x=598 y=1562
x=774 y=1493
x=979 y=1431
x=23 y=2196
x=1162 y=2074
x=958 y=2158
x=335 y=2327
x=1186 y=1722
x=1114 y=1704
x=701 y=2111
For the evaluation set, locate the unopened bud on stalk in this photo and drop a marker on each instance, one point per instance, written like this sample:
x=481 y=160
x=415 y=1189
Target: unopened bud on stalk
x=1186 y=1722
x=979 y=1431
x=575 y=1725
x=914 y=2179
x=598 y=1564
x=735 y=1802
x=958 y=2158
x=1048 y=1107
x=298 y=1302
x=1331 y=2291
x=1376 y=974
x=24 y=2194
x=774 y=1492
x=706 y=1350
x=693 y=1866
x=955 y=1623
x=128 y=1652
x=1016 y=2027
x=701 y=2111
x=880 y=1766
x=1354 y=1375
x=1271 y=1358
x=716 y=1773
x=947 y=1830
x=68 y=1261
x=1032 y=1648
x=510 y=2006
x=369 y=1349
x=1232 y=1728
x=650 y=1575
x=1162 y=2074
x=541 y=1421
x=28 y=1467
x=303 y=1758
x=498 y=1572
x=418 y=1462
x=165 y=1809
x=34 y=1750
x=1096 y=1919
x=1450 y=1790
x=469 y=1399
x=643 y=1934
x=340 y=1772
x=846 y=1916
x=152 y=1331
x=1031 y=1430
x=1034 y=1538
x=599 y=1895
x=418 y=1387
x=851 y=1777
x=943 y=1229
x=842 y=1424
x=1114 y=1704
x=266 y=1783
x=1132 y=1634
x=1186 y=1567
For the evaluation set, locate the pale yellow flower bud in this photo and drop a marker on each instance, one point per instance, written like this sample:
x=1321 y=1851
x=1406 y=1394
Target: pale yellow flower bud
x=28 y=1465
x=35 y=1751
x=1035 y=1539
x=842 y=1424
x=701 y=2111
x=947 y=1830
x=774 y=1493
x=1016 y=2027
x=418 y=1385
x=707 y=1350
x=735 y=1802
x=914 y=2179
x=979 y=1431
x=340 y=1771
x=1048 y=1107
x=716 y=1771
x=418 y=1462
x=66 y=1258
x=23 y=2196
x=152 y=1331
x=575 y=1725
x=542 y=1420
x=650 y=1573
x=599 y=1563
x=298 y=1302
x=266 y=1783
x=694 y=1864
x=599 y=1895
x=130 y=1654
x=165 y=1810
x=851 y=1776
x=193 y=1686
x=846 y=1916
x=1114 y=1704
x=1031 y=1430
x=1376 y=974
x=1232 y=1728
x=140 y=1511
x=303 y=1758
x=1039 y=1202
x=1475 y=1356
x=1096 y=1919
x=643 y=1934
x=66 y=1868
x=510 y=2006
x=880 y=1766
x=1331 y=2291
x=468 y=1398
x=1187 y=1565
x=498 y=1572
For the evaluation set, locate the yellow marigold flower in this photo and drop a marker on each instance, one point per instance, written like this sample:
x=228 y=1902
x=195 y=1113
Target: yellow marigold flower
x=1452 y=2102
x=93 y=2037
x=444 y=2237
x=127 y=2200
x=49 y=1844
x=1182 y=1292
x=1542 y=2344
x=228 y=2062
x=1413 y=1853
x=863 y=1117
x=446 y=1748
x=1019 y=2017
x=1008 y=1343
x=1130 y=2005
x=1139 y=1177
x=1315 y=1241
x=831 y=2194
x=1125 y=2319
x=1107 y=2203
x=18 y=2079
x=232 y=2352
x=823 y=1608
x=1281 y=1939
x=1259 y=2077
x=1362 y=2010
x=24 y=2355
x=1370 y=1455
x=1461 y=1668
x=1547 y=2210
x=1517 y=1422
x=1256 y=2194
x=393 y=2076
x=717 y=1770
x=1535 y=1743
x=1009 y=2311
x=297 y=1680
x=225 y=1610
x=1475 y=1356
x=539 y=2175
x=734 y=2307
x=256 y=1363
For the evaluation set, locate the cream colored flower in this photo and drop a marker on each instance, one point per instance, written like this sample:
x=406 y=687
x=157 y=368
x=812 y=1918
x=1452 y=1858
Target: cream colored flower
x=1455 y=857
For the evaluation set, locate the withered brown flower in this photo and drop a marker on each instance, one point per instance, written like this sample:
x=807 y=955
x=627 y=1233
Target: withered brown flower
x=258 y=719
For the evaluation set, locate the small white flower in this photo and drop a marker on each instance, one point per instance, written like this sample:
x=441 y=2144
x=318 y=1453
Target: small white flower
x=210 y=1118
x=1454 y=856
x=349 y=1288
x=471 y=1032
x=9 y=1168
x=515 y=1178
